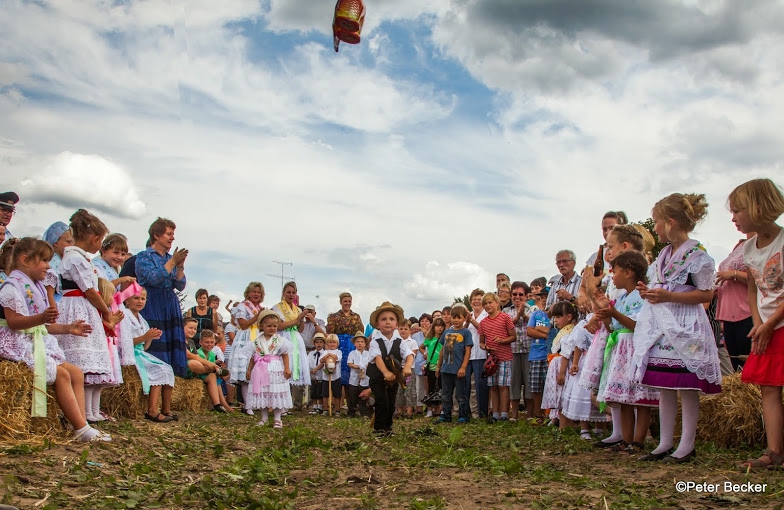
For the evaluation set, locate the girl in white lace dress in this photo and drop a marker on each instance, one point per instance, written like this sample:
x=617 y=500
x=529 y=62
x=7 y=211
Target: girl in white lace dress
x=26 y=331
x=268 y=371
x=81 y=301
x=564 y=316
x=157 y=376
x=674 y=347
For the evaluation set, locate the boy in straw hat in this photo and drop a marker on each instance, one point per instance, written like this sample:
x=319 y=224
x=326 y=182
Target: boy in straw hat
x=387 y=354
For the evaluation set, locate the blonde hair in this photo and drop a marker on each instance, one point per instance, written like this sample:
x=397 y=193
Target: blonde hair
x=687 y=210
x=344 y=295
x=106 y=290
x=648 y=242
x=332 y=337
x=761 y=198
x=250 y=287
x=490 y=296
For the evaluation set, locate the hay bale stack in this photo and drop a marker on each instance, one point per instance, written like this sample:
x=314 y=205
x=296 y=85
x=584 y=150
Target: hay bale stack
x=125 y=400
x=190 y=395
x=16 y=381
x=732 y=418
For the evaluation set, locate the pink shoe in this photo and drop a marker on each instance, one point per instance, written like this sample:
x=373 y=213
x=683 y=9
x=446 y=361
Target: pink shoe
x=277 y=424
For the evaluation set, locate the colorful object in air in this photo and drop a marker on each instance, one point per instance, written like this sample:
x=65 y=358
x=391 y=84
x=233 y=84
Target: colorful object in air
x=348 y=20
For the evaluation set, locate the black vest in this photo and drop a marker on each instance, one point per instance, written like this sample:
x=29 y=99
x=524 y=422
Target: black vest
x=373 y=371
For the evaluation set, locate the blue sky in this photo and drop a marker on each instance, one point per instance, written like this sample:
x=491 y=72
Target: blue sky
x=459 y=139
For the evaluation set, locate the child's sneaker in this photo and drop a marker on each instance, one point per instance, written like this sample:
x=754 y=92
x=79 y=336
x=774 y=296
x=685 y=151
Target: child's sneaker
x=314 y=411
x=462 y=420
x=429 y=414
x=443 y=419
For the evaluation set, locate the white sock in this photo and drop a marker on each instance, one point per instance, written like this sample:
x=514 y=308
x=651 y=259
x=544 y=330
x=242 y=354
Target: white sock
x=617 y=431
x=276 y=413
x=504 y=415
x=668 y=408
x=88 y=402
x=264 y=414
x=97 y=401
x=87 y=433
x=690 y=411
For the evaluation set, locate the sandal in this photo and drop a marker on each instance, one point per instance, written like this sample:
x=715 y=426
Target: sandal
x=171 y=415
x=633 y=448
x=618 y=447
x=277 y=424
x=107 y=417
x=768 y=460
x=158 y=418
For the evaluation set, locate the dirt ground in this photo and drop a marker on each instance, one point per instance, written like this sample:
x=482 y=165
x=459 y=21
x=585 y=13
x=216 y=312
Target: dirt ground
x=214 y=461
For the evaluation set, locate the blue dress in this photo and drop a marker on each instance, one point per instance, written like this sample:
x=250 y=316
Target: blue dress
x=163 y=308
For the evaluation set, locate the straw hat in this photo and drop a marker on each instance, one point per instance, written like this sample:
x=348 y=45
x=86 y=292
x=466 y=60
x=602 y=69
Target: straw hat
x=386 y=306
x=359 y=334
x=266 y=313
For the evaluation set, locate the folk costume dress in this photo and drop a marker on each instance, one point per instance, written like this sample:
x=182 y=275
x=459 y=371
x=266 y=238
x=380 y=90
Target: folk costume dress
x=576 y=403
x=152 y=371
x=92 y=353
x=242 y=347
x=162 y=310
x=591 y=372
x=298 y=357
x=33 y=346
x=269 y=388
x=553 y=392
x=105 y=271
x=617 y=382
x=674 y=347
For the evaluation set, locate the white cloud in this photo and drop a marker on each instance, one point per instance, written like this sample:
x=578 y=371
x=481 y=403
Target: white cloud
x=89 y=181
x=443 y=282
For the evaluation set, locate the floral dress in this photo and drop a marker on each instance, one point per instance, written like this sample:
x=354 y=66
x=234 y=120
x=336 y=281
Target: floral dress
x=269 y=388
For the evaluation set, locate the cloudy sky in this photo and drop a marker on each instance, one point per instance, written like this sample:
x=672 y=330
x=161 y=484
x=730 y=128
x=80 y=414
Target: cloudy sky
x=460 y=138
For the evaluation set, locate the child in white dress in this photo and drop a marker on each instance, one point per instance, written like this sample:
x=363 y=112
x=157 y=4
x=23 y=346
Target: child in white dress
x=157 y=376
x=564 y=316
x=268 y=371
x=81 y=301
x=26 y=330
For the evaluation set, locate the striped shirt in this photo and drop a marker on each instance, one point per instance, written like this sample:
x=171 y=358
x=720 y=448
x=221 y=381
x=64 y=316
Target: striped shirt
x=497 y=327
x=556 y=283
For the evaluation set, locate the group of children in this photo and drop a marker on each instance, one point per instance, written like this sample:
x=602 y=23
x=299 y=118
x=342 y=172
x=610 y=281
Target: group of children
x=644 y=341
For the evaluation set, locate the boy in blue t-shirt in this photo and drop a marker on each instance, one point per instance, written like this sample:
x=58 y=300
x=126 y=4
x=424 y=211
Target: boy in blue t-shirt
x=452 y=362
x=538 y=329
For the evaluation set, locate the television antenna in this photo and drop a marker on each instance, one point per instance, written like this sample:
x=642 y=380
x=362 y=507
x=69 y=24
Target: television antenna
x=283 y=277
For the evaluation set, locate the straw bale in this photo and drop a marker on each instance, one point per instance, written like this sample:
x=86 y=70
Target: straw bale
x=16 y=381
x=125 y=400
x=190 y=395
x=732 y=418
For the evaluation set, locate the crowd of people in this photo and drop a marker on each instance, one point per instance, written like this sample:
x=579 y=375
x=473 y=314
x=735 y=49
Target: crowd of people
x=596 y=347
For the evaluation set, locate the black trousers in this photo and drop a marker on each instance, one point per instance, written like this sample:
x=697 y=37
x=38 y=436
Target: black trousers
x=354 y=401
x=385 y=403
x=737 y=341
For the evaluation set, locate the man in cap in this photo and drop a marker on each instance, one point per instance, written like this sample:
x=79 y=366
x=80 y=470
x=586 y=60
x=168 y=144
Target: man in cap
x=8 y=201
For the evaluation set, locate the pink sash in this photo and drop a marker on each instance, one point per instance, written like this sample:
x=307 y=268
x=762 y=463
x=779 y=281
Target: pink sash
x=260 y=375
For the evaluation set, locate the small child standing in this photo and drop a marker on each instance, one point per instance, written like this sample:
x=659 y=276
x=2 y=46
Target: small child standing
x=269 y=372
x=564 y=318
x=387 y=355
x=538 y=330
x=755 y=206
x=453 y=359
x=316 y=374
x=358 y=360
x=81 y=301
x=406 y=399
x=331 y=387
x=674 y=348
x=496 y=334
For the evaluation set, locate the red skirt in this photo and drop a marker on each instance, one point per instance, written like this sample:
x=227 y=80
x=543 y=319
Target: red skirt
x=767 y=369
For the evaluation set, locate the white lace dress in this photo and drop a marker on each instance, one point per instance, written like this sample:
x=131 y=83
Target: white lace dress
x=276 y=393
x=242 y=347
x=17 y=346
x=90 y=353
x=158 y=373
x=576 y=403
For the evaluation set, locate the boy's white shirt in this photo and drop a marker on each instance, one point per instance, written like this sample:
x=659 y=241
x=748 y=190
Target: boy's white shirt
x=362 y=359
x=388 y=342
x=412 y=344
x=319 y=375
x=339 y=356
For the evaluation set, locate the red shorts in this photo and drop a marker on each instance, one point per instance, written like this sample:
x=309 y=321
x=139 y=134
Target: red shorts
x=767 y=369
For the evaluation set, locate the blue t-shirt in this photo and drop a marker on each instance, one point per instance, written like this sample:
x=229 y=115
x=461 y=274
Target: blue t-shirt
x=454 y=342
x=539 y=348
